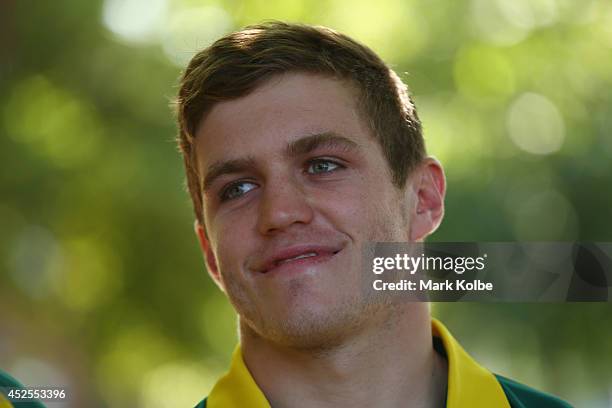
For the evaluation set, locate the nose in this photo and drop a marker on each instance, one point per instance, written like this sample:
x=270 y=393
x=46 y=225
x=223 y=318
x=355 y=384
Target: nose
x=284 y=204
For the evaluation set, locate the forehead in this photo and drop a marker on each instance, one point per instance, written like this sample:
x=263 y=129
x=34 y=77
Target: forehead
x=283 y=109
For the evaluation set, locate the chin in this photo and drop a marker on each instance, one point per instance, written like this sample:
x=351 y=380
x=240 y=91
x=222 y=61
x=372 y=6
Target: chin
x=313 y=328
x=309 y=333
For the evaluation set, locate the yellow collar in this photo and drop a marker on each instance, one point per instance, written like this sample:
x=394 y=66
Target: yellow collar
x=469 y=384
x=4 y=403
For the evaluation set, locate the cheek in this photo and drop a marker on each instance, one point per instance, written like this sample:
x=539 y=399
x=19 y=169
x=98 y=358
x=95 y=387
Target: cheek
x=230 y=241
x=378 y=213
x=360 y=209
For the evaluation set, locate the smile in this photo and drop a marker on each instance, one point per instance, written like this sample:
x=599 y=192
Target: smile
x=296 y=257
x=308 y=255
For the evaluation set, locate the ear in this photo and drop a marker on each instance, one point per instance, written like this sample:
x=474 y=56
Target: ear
x=209 y=256
x=429 y=187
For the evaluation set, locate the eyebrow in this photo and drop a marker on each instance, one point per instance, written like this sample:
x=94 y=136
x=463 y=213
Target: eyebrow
x=310 y=143
x=300 y=147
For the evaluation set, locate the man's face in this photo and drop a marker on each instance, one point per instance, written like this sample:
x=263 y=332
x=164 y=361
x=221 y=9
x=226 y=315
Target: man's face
x=294 y=186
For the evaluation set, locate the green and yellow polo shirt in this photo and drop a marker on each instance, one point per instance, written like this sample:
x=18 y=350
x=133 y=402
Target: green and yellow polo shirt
x=469 y=384
x=6 y=381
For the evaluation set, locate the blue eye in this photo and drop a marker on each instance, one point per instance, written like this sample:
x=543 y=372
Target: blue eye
x=236 y=190
x=320 y=166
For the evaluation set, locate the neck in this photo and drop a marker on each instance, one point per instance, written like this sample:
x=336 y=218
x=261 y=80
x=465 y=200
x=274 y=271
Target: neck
x=387 y=365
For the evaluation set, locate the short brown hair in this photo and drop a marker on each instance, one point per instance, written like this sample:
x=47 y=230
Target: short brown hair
x=238 y=63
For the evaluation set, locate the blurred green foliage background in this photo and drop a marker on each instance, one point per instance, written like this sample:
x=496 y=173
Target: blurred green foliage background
x=102 y=286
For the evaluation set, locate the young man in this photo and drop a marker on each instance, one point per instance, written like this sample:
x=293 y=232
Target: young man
x=301 y=146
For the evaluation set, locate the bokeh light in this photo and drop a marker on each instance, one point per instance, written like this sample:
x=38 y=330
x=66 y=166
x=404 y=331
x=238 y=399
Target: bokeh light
x=137 y=21
x=189 y=30
x=535 y=124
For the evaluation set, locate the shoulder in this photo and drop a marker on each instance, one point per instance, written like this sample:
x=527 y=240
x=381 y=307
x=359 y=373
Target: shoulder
x=202 y=404
x=6 y=381
x=521 y=396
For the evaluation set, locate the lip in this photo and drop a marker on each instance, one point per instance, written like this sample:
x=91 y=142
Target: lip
x=296 y=255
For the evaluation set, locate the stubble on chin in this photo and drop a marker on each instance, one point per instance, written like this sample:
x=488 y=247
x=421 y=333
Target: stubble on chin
x=318 y=333
x=305 y=327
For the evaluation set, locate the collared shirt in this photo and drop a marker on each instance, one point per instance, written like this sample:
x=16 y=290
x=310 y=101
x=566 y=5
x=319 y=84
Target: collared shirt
x=8 y=382
x=469 y=384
